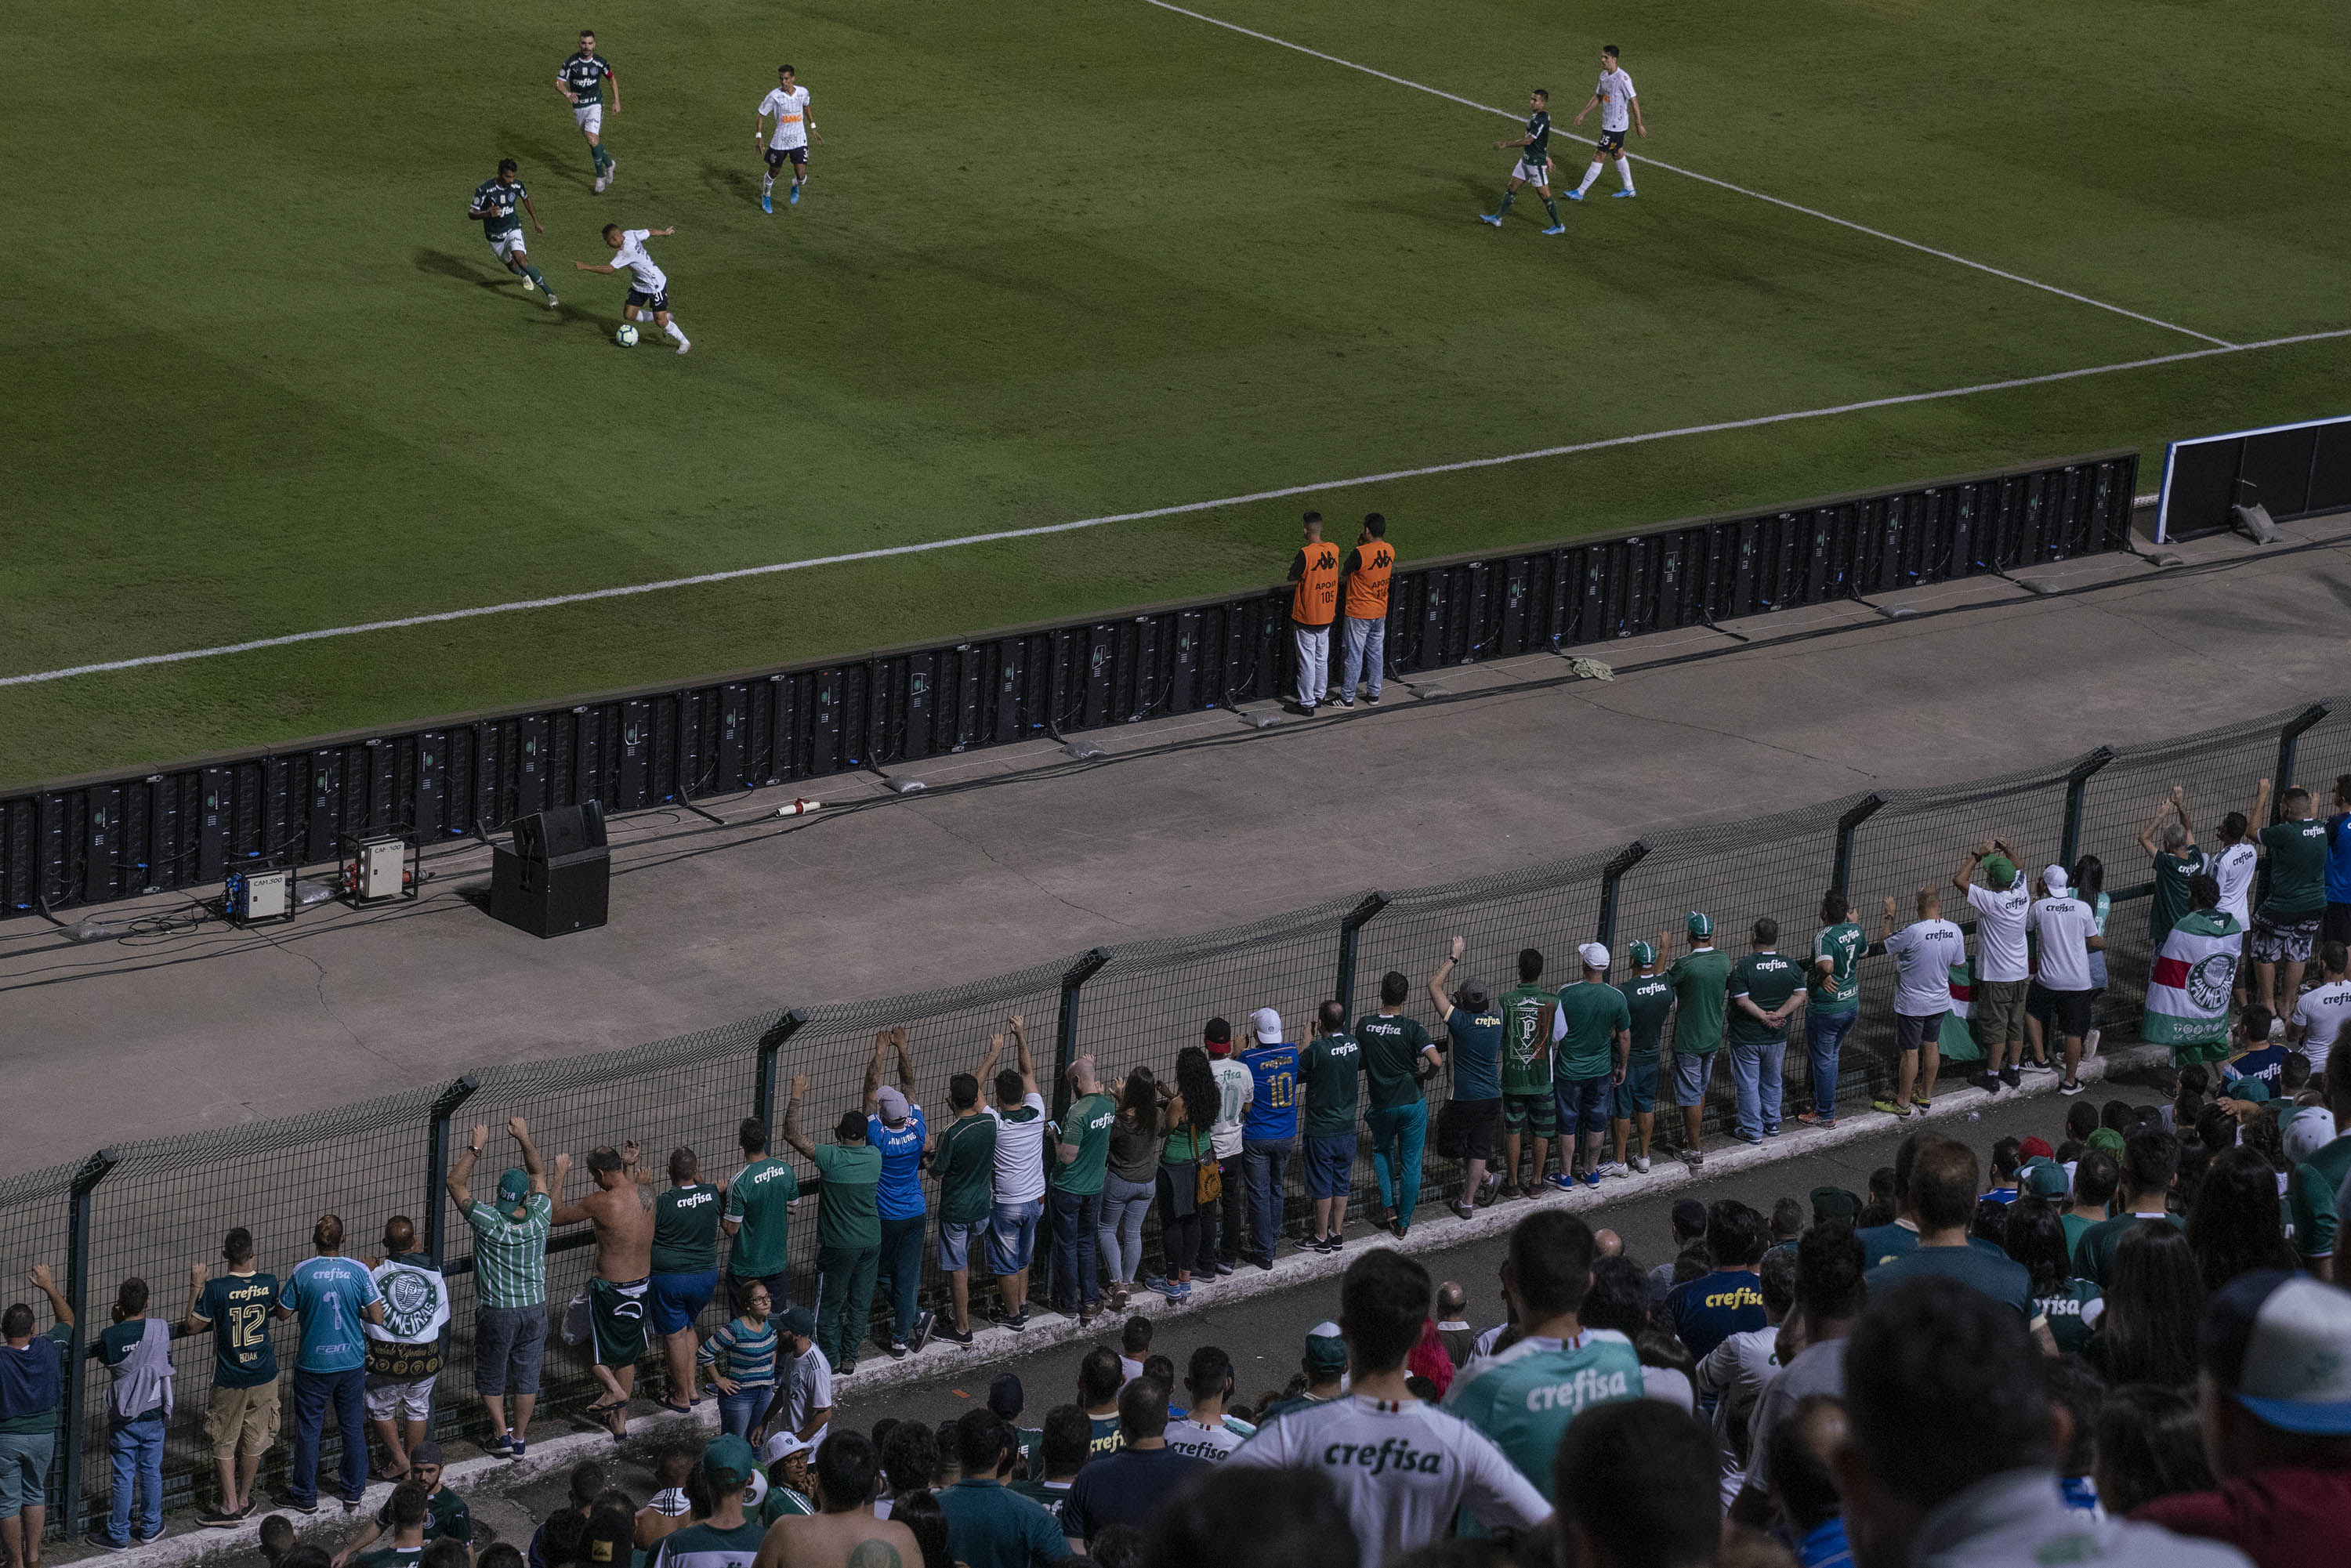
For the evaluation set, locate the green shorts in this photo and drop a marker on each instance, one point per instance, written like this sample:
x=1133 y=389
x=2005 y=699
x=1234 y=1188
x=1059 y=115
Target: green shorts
x=1535 y=1113
x=617 y=1313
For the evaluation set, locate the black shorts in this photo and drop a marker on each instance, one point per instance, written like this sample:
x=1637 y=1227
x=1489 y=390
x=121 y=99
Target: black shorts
x=2067 y=1012
x=1611 y=142
x=779 y=156
x=1465 y=1128
x=655 y=302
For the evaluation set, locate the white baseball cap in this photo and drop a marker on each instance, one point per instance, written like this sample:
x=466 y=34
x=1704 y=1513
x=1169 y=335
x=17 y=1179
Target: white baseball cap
x=2307 y=1129
x=1594 y=956
x=1265 y=1024
x=782 y=1447
x=2055 y=879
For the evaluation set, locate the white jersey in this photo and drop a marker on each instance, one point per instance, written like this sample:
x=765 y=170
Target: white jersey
x=1615 y=95
x=2064 y=925
x=1210 y=1443
x=1403 y=1470
x=1924 y=953
x=2322 y=1012
x=1234 y=1088
x=2000 y=930
x=807 y=1388
x=650 y=279
x=2232 y=868
x=790 y=110
x=1020 y=1152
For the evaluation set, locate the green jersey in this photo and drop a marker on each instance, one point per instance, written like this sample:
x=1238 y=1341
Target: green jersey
x=1086 y=1124
x=758 y=1201
x=1701 y=982
x=965 y=1163
x=1590 y=1012
x=2311 y=1194
x=1838 y=992
x=584 y=74
x=499 y=206
x=1648 y=1000
x=1525 y=1398
x=848 y=1219
x=1538 y=147
x=2297 y=851
x=1392 y=1046
x=2064 y=1312
x=1331 y=1066
x=2171 y=901
x=685 y=1229
x=1526 y=1052
x=1767 y=979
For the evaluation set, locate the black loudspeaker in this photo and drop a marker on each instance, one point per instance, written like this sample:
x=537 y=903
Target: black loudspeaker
x=558 y=876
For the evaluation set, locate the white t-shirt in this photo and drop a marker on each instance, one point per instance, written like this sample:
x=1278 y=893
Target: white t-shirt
x=808 y=1387
x=2064 y=925
x=1211 y=1443
x=1615 y=95
x=1020 y=1152
x=2000 y=930
x=1234 y=1088
x=790 y=110
x=1403 y=1470
x=650 y=279
x=1924 y=952
x=1129 y=1369
x=2322 y=1013
x=2232 y=868
x=1673 y=1387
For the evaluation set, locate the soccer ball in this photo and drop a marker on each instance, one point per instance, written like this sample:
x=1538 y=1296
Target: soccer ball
x=626 y=336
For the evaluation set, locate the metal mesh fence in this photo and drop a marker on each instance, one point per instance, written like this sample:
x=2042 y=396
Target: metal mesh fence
x=157 y=1209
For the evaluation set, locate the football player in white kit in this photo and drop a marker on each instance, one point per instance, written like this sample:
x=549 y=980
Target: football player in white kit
x=789 y=142
x=582 y=79
x=648 y=283
x=1620 y=110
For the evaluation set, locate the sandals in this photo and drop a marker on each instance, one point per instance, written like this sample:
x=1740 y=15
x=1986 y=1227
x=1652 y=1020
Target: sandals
x=675 y=1409
x=612 y=1416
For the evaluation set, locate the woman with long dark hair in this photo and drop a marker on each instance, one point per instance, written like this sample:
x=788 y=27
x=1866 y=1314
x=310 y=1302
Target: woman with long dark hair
x=1190 y=1115
x=2035 y=1238
x=2149 y=1445
x=2155 y=1298
x=2235 y=1226
x=1135 y=1139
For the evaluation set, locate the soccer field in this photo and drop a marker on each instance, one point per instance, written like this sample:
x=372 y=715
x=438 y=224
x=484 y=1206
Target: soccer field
x=1061 y=259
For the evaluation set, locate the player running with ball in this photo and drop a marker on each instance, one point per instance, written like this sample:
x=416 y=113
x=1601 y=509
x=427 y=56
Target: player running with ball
x=1534 y=166
x=648 y=285
x=494 y=209
x=1620 y=110
x=789 y=142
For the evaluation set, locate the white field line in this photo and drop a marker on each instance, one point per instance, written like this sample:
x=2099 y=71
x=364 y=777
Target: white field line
x=1708 y=178
x=592 y=595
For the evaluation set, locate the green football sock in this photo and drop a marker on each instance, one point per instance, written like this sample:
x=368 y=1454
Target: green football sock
x=537 y=276
x=1552 y=208
x=596 y=156
x=1508 y=197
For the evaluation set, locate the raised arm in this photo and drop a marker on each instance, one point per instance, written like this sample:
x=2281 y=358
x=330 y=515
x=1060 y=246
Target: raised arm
x=567 y=1213
x=987 y=1063
x=193 y=1321
x=2253 y=818
x=2146 y=831
x=791 y=1129
x=2180 y=805
x=1437 y=992
x=1966 y=875
x=532 y=1167
x=633 y=1166
x=1887 y=929
x=1020 y=1055
x=905 y=1060
x=873 y=1072
x=461 y=1171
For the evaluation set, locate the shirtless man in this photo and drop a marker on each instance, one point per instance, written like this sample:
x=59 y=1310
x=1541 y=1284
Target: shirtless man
x=843 y=1533
x=625 y=1266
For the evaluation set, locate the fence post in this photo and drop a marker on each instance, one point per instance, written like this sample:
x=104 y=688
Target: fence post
x=1868 y=806
x=771 y=1045
x=2077 y=791
x=436 y=1173
x=1357 y=918
x=93 y=1171
x=2288 y=737
x=1627 y=859
x=1089 y=964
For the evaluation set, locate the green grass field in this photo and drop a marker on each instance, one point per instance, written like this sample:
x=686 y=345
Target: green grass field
x=1060 y=258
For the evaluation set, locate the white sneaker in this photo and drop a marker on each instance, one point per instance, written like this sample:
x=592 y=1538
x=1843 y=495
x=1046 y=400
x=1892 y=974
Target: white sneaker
x=528 y=286
x=2277 y=1027
x=2089 y=1045
x=1641 y=1163
x=683 y=347
x=611 y=170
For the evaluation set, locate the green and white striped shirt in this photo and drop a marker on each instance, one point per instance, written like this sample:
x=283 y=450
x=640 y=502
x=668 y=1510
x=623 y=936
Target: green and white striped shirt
x=509 y=1254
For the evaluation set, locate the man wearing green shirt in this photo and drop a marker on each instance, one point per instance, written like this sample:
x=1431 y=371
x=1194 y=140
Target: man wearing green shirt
x=1590 y=1025
x=1474 y=1032
x=1331 y=1064
x=2150 y=1161
x=1701 y=982
x=686 y=1268
x=509 y=1283
x=1834 y=1003
x=2173 y=846
x=1649 y=1002
x=2286 y=924
x=1398 y=1057
x=32 y=1388
x=1074 y=1191
x=1527 y=1104
x=964 y=1160
x=758 y=1215
x=1764 y=989
x=2313 y=1189
x=847 y=1228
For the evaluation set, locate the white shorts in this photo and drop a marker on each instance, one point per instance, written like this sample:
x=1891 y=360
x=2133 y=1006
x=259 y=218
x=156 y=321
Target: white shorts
x=1532 y=173
x=392 y=1399
x=509 y=247
x=589 y=117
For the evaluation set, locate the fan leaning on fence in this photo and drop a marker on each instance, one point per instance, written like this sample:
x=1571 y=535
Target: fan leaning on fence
x=624 y=1265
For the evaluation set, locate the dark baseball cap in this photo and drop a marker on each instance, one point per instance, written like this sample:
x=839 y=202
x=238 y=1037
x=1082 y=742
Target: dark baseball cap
x=2280 y=1344
x=798 y=1321
x=1004 y=1396
x=1835 y=1203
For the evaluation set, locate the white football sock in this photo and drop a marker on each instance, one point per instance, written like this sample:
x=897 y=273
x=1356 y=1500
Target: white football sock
x=767 y=183
x=672 y=331
x=1625 y=171
x=1589 y=175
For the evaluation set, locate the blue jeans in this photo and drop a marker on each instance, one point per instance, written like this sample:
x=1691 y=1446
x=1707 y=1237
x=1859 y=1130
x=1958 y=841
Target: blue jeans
x=1077 y=1218
x=1755 y=1082
x=900 y=1273
x=1365 y=654
x=738 y=1411
x=313 y=1393
x=1823 y=1038
x=1263 y=1167
x=1398 y=1135
x=136 y=1450
x=1120 y=1239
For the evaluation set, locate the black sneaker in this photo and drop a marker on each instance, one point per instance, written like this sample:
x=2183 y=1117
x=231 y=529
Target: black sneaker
x=1018 y=1321
x=844 y=1369
x=925 y=1322
x=1987 y=1081
x=1373 y=698
x=513 y=1453
x=287 y=1501
x=104 y=1543
x=1227 y=1266
x=1264 y=1263
x=897 y=1348
x=213 y=1519
x=960 y=1341
x=2013 y=1077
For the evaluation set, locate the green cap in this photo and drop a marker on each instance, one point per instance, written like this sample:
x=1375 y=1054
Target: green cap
x=1835 y=1203
x=728 y=1461
x=2000 y=871
x=1326 y=1352
x=2107 y=1138
x=1642 y=953
x=2045 y=1178
x=1699 y=925
x=2253 y=1089
x=514 y=1185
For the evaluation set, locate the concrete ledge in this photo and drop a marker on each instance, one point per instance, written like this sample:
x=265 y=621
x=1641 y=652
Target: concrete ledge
x=943 y=1361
